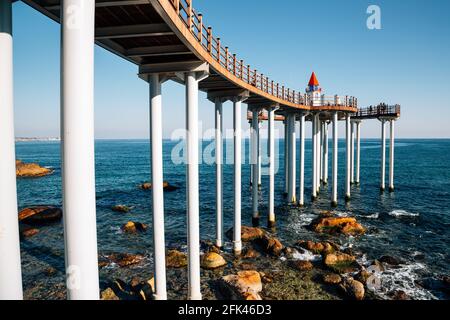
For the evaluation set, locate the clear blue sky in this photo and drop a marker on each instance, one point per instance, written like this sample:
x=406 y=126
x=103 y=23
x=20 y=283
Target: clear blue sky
x=407 y=62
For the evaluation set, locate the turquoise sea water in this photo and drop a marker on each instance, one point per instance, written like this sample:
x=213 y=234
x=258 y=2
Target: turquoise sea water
x=411 y=224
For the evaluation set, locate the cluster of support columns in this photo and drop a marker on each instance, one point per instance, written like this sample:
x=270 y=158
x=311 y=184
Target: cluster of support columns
x=391 y=153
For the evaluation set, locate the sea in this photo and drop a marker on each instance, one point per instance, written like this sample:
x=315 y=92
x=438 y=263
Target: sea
x=411 y=224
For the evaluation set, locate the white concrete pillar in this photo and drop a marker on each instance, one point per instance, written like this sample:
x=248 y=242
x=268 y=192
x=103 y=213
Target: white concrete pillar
x=383 y=154
x=301 y=198
x=237 y=243
x=255 y=164
x=318 y=150
x=358 y=151
x=322 y=151
x=391 y=156
x=77 y=140
x=348 y=157
x=314 y=157
x=352 y=153
x=259 y=155
x=325 y=151
x=10 y=267
x=219 y=171
x=335 y=160
x=192 y=150
x=271 y=222
x=292 y=159
x=286 y=156
x=156 y=140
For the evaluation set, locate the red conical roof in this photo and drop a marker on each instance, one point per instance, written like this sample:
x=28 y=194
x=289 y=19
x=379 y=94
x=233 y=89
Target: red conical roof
x=313 y=81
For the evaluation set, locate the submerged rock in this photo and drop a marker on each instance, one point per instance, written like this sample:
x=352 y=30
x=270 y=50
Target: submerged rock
x=167 y=186
x=121 y=259
x=353 y=288
x=390 y=260
x=398 y=295
x=28 y=232
x=341 y=262
x=31 y=170
x=332 y=278
x=339 y=225
x=247 y=233
x=121 y=208
x=134 y=227
x=212 y=260
x=40 y=215
x=246 y=285
x=176 y=259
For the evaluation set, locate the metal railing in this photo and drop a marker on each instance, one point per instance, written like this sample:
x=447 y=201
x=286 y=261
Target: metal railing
x=230 y=62
x=379 y=110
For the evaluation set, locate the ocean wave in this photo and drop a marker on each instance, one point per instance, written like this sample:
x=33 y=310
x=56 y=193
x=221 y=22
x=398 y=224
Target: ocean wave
x=403 y=213
x=370 y=216
x=403 y=278
x=305 y=255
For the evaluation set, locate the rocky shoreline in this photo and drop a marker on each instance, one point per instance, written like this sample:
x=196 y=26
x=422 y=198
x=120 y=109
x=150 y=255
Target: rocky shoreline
x=267 y=269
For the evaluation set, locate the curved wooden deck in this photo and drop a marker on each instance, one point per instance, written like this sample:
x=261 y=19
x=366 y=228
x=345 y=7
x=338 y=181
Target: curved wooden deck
x=169 y=36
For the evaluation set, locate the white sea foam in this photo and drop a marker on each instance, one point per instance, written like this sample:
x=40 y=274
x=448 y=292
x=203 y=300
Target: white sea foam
x=403 y=213
x=306 y=255
x=402 y=278
x=372 y=216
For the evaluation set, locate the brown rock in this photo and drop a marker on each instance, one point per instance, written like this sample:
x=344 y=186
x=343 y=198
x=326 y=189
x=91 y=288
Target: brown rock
x=353 y=288
x=271 y=245
x=108 y=294
x=134 y=227
x=341 y=225
x=29 y=232
x=318 y=247
x=250 y=254
x=302 y=265
x=341 y=262
x=176 y=259
x=166 y=186
x=30 y=170
x=246 y=285
x=212 y=260
x=121 y=208
x=40 y=215
x=390 y=260
x=121 y=259
x=398 y=295
x=247 y=233
x=332 y=278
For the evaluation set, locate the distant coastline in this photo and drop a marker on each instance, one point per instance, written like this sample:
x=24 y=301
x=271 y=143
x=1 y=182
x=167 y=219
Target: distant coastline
x=23 y=139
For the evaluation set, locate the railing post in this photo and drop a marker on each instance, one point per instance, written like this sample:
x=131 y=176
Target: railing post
x=234 y=63
x=262 y=82
x=210 y=40
x=200 y=28
x=176 y=4
x=272 y=88
x=227 y=60
x=189 y=14
x=282 y=93
x=219 y=48
x=242 y=69
x=248 y=74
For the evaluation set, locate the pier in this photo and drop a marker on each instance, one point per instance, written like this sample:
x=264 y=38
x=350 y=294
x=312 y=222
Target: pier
x=168 y=40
